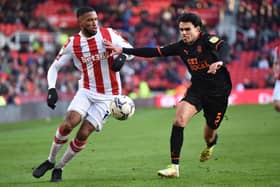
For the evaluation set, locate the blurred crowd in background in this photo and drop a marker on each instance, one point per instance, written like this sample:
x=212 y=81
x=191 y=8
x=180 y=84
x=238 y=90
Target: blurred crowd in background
x=30 y=38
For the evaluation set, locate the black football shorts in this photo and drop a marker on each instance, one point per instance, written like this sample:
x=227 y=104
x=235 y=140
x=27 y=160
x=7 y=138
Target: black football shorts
x=214 y=107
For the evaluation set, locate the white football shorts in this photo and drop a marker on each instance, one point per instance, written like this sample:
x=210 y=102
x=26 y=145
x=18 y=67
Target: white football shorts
x=93 y=107
x=276 y=91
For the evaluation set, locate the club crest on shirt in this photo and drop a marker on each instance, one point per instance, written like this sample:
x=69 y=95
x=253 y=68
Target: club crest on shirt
x=214 y=39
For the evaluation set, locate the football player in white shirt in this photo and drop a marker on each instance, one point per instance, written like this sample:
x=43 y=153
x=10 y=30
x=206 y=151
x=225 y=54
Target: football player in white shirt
x=99 y=83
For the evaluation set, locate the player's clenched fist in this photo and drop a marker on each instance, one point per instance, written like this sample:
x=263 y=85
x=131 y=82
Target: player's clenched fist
x=52 y=98
x=214 y=67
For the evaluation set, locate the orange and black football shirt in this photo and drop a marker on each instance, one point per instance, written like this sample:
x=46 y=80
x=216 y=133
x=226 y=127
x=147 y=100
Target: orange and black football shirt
x=197 y=56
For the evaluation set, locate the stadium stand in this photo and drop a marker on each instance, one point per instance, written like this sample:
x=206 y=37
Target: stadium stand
x=32 y=33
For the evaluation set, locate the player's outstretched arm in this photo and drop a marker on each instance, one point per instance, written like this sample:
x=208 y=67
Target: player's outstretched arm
x=142 y=52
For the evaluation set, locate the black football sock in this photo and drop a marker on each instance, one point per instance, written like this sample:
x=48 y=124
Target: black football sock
x=214 y=142
x=176 y=142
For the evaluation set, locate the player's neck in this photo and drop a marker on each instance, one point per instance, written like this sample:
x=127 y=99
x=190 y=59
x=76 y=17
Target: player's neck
x=88 y=34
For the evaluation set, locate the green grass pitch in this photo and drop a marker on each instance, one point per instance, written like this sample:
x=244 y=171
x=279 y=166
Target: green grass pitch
x=129 y=153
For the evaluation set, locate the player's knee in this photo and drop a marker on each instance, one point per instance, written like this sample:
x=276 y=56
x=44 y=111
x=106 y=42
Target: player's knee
x=85 y=130
x=72 y=120
x=82 y=135
x=179 y=122
x=67 y=127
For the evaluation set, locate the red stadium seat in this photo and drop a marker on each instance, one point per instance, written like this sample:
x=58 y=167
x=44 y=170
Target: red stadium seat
x=9 y=29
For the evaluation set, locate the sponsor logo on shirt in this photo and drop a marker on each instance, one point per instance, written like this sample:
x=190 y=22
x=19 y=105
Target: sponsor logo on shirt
x=99 y=56
x=196 y=65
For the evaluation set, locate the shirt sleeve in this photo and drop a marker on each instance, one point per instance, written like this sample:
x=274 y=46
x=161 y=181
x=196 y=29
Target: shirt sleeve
x=168 y=50
x=219 y=47
x=64 y=56
x=119 y=41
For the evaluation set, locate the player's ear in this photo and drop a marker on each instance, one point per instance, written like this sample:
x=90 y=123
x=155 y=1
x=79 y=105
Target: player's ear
x=198 y=28
x=80 y=20
x=80 y=23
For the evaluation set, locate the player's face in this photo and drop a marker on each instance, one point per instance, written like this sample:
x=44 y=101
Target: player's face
x=89 y=23
x=189 y=33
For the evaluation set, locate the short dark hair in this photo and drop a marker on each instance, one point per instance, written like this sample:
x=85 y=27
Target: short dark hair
x=190 y=17
x=84 y=10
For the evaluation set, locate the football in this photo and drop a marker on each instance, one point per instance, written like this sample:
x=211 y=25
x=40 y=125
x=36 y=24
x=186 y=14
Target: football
x=122 y=107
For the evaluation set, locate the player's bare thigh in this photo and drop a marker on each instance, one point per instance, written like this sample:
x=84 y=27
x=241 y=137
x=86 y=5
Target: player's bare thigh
x=185 y=111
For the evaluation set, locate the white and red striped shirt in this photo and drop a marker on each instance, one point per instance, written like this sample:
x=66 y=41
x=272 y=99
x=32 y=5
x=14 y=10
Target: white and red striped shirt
x=92 y=60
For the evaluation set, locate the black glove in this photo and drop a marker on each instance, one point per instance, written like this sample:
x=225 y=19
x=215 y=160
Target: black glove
x=52 y=98
x=118 y=63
